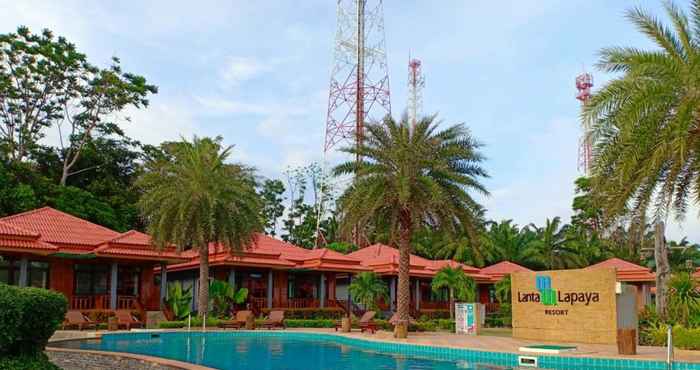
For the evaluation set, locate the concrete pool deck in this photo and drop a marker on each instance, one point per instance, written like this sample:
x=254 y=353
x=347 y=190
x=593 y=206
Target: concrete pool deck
x=492 y=341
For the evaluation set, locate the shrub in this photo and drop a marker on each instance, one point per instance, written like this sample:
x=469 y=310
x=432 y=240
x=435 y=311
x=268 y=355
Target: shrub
x=319 y=323
x=685 y=338
x=28 y=318
x=38 y=361
x=195 y=323
x=434 y=315
x=333 y=313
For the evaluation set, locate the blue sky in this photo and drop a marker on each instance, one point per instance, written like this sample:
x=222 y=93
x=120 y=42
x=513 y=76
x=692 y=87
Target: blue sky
x=257 y=73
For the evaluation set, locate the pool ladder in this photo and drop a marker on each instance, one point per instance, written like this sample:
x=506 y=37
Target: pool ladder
x=669 y=348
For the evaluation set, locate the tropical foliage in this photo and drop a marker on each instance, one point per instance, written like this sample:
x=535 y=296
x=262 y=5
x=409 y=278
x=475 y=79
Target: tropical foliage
x=224 y=297
x=179 y=300
x=409 y=177
x=193 y=198
x=367 y=288
x=460 y=286
x=684 y=298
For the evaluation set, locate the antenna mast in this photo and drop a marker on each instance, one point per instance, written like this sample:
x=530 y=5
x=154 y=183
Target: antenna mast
x=416 y=82
x=584 y=83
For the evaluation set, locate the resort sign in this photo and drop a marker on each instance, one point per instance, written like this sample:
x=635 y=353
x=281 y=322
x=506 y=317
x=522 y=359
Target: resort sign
x=565 y=305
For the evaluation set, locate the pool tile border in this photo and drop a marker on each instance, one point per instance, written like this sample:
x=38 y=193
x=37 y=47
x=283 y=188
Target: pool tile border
x=442 y=353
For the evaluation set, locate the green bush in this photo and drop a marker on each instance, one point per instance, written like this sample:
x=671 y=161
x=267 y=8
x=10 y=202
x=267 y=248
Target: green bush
x=434 y=315
x=319 y=323
x=195 y=323
x=685 y=338
x=38 y=361
x=333 y=313
x=28 y=318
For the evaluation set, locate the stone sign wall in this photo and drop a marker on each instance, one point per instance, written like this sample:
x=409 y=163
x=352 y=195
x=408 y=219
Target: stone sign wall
x=565 y=305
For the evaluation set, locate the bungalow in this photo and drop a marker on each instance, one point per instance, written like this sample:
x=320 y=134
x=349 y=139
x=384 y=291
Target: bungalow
x=627 y=272
x=384 y=260
x=277 y=274
x=96 y=268
x=496 y=273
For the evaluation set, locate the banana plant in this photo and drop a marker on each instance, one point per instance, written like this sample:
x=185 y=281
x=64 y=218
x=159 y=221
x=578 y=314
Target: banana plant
x=179 y=300
x=223 y=296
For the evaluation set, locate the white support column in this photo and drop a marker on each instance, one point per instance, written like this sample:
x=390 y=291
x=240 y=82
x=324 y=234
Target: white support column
x=232 y=278
x=417 y=294
x=163 y=284
x=322 y=291
x=113 y=287
x=23 y=272
x=392 y=294
x=269 y=289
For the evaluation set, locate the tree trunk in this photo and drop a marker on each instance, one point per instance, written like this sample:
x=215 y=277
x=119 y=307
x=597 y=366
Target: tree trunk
x=452 y=304
x=404 y=293
x=203 y=304
x=663 y=270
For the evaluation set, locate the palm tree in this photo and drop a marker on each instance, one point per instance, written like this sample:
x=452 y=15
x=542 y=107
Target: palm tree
x=459 y=285
x=504 y=241
x=192 y=197
x=646 y=124
x=408 y=178
x=367 y=289
x=551 y=246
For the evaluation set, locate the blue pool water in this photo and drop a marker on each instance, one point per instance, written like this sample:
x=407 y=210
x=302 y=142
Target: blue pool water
x=304 y=351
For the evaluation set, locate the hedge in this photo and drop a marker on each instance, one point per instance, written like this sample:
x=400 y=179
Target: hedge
x=683 y=338
x=38 y=361
x=430 y=325
x=334 y=313
x=28 y=318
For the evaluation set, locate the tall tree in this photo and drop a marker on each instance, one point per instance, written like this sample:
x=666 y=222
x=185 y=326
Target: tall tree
x=45 y=81
x=194 y=198
x=459 y=286
x=505 y=241
x=409 y=177
x=646 y=123
x=272 y=196
x=551 y=247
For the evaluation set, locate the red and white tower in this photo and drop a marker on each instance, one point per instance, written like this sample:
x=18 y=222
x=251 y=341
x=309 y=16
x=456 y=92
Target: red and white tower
x=584 y=83
x=416 y=82
x=359 y=87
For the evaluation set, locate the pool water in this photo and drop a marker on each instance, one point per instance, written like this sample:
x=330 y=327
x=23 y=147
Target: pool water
x=283 y=350
x=264 y=352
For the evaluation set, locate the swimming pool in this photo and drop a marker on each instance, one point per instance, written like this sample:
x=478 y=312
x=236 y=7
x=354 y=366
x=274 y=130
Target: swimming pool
x=260 y=350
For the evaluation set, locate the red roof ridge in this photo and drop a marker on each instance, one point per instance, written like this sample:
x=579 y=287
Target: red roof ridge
x=25 y=213
x=620 y=265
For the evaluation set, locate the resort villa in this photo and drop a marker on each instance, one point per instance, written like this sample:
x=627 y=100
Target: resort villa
x=96 y=268
x=99 y=269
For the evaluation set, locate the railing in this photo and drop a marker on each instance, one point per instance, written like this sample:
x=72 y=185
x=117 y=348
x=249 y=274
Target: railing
x=257 y=303
x=102 y=302
x=303 y=303
x=492 y=307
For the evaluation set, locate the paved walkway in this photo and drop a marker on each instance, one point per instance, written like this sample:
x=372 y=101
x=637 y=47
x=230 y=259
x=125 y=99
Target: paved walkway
x=494 y=341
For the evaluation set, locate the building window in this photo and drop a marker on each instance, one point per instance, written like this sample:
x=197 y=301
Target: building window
x=128 y=281
x=9 y=271
x=38 y=274
x=91 y=279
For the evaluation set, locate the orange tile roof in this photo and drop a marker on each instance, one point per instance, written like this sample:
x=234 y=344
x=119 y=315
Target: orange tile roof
x=627 y=271
x=47 y=231
x=59 y=228
x=499 y=270
x=384 y=260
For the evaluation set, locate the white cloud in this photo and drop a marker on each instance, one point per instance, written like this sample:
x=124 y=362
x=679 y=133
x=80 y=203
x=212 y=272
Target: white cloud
x=222 y=105
x=240 y=69
x=161 y=121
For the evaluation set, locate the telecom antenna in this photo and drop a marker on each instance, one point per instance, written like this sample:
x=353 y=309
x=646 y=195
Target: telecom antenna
x=359 y=84
x=584 y=83
x=416 y=82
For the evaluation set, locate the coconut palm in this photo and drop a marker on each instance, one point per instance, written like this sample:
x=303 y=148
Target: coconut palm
x=460 y=286
x=502 y=290
x=192 y=198
x=505 y=241
x=646 y=124
x=367 y=289
x=551 y=246
x=408 y=178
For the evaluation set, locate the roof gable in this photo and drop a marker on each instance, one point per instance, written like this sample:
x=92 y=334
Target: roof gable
x=620 y=265
x=58 y=227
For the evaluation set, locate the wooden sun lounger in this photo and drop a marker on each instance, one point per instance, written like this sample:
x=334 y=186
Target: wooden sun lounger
x=275 y=320
x=238 y=322
x=127 y=320
x=77 y=319
x=367 y=322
